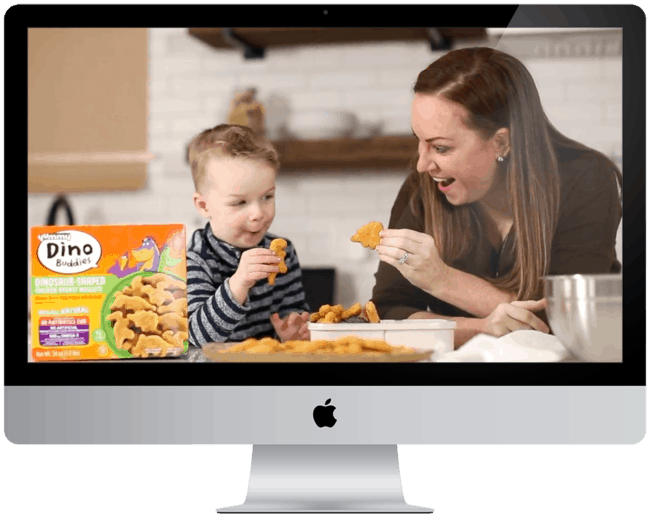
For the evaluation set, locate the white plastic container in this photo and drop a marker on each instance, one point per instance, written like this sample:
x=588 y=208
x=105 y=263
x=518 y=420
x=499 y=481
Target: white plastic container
x=422 y=334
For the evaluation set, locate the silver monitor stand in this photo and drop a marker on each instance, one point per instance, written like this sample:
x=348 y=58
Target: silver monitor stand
x=325 y=479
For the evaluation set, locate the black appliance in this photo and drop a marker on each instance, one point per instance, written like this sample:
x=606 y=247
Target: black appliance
x=319 y=286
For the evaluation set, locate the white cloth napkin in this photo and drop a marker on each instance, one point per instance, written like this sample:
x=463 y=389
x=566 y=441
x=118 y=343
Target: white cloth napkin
x=519 y=346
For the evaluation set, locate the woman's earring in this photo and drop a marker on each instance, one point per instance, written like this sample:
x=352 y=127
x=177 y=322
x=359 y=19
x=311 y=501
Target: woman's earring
x=500 y=159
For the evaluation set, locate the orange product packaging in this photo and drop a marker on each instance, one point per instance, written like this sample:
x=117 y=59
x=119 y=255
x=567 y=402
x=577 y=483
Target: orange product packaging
x=108 y=292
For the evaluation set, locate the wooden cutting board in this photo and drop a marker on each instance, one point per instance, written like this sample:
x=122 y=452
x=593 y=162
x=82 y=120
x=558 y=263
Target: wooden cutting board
x=211 y=351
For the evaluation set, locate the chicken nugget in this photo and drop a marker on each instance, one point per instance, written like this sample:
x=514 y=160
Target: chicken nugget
x=146 y=320
x=178 y=306
x=174 y=322
x=172 y=285
x=155 y=279
x=135 y=288
x=371 y=312
x=156 y=295
x=314 y=317
x=353 y=311
x=242 y=346
x=175 y=339
x=324 y=310
x=374 y=345
x=331 y=317
x=277 y=246
x=129 y=344
x=121 y=330
x=368 y=235
x=134 y=303
x=146 y=342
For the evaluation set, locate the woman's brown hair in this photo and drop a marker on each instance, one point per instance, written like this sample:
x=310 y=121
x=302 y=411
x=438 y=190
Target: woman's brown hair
x=497 y=91
x=228 y=140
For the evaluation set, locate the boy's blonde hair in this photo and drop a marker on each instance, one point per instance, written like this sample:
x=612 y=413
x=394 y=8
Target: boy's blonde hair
x=228 y=140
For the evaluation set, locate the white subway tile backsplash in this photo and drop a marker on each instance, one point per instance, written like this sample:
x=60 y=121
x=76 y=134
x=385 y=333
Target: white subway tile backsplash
x=158 y=86
x=397 y=124
x=586 y=113
x=183 y=106
x=403 y=78
x=184 y=87
x=167 y=147
x=613 y=113
x=216 y=106
x=217 y=85
x=612 y=68
x=157 y=47
x=182 y=45
x=157 y=128
x=603 y=90
x=316 y=99
x=380 y=98
x=344 y=80
x=170 y=67
x=564 y=69
x=184 y=129
x=162 y=32
x=377 y=54
x=551 y=92
x=221 y=61
x=266 y=83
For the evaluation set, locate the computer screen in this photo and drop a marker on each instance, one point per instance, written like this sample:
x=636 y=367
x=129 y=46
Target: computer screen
x=275 y=407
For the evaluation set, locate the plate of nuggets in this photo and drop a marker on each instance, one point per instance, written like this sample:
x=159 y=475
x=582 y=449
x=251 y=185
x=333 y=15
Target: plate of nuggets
x=343 y=349
x=146 y=316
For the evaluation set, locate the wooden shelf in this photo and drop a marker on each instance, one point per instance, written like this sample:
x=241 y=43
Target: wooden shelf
x=391 y=151
x=262 y=37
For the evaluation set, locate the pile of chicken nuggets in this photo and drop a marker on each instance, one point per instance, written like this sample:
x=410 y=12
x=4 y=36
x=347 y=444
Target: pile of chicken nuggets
x=150 y=314
x=348 y=345
x=336 y=313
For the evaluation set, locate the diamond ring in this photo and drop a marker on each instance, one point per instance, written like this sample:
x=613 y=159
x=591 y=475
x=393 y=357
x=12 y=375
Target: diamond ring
x=403 y=259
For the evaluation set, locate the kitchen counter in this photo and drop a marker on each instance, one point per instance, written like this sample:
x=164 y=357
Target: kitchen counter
x=196 y=355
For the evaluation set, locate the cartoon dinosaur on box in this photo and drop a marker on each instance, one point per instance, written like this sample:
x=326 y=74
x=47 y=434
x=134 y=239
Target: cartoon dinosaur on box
x=171 y=256
x=145 y=257
x=148 y=257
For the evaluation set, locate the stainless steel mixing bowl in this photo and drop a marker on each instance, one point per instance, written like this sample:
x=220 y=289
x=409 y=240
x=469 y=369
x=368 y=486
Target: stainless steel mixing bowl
x=586 y=314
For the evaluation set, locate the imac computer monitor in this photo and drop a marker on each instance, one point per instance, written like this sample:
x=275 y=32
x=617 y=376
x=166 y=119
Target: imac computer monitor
x=324 y=436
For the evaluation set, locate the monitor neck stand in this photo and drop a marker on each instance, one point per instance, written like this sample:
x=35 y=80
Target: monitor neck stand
x=325 y=479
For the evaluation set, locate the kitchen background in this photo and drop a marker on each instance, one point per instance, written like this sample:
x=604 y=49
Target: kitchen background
x=191 y=85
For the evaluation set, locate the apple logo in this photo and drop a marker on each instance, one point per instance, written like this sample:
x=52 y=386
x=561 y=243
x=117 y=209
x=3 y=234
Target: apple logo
x=324 y=415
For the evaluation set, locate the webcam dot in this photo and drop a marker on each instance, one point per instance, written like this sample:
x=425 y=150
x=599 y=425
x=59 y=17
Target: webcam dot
x=324 y=12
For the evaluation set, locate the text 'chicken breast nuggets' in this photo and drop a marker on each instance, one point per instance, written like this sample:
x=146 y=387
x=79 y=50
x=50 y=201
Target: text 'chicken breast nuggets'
x=368 y=235
x=277 y=246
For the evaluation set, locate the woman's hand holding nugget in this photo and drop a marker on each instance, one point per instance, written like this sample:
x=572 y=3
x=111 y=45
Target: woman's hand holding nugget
x=518 y=315
x=291 y=328
x=421 y=263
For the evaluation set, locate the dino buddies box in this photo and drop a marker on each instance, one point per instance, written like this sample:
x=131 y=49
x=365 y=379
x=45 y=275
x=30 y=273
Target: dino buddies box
x=108 y=292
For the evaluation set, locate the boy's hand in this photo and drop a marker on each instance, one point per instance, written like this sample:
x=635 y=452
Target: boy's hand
x=291 y=328
x=255 y=264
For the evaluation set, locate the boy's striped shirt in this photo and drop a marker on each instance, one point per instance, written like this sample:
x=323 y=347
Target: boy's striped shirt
x=214 y=314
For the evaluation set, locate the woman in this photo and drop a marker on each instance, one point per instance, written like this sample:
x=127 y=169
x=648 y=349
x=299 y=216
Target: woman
x=498 y=200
